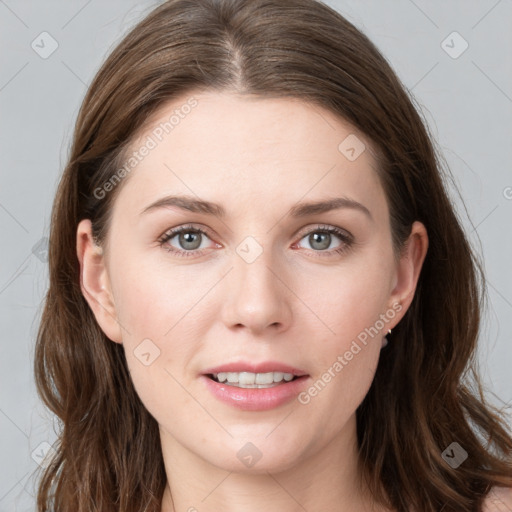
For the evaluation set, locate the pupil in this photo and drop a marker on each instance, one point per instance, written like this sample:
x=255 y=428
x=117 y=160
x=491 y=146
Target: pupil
x=317 y=238
x=189 y=240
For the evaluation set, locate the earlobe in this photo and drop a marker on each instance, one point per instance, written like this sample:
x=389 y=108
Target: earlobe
x=409 y=268
x=95 y=283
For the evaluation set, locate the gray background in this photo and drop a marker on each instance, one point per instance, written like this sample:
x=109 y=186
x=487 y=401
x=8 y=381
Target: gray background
x=466 y=100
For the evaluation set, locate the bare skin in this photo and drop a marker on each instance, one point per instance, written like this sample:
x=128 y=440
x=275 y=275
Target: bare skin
x=299 y=302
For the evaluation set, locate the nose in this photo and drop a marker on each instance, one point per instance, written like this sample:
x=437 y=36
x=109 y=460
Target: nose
x=257 y=295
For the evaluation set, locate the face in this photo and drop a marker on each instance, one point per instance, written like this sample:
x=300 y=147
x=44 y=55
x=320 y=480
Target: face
x=244 y=280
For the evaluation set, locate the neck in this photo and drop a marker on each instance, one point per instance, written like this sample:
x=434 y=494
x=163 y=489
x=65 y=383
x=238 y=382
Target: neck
x=329 y=479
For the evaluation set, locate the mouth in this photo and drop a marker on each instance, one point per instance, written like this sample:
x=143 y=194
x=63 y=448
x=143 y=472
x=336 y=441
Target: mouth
x=250 y=380
x=255 y=387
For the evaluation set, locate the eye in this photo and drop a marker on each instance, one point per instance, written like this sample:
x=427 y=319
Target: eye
x=321 y=238
x=188 y=241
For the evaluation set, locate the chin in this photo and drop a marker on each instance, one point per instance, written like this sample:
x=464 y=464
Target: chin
x=257 y=454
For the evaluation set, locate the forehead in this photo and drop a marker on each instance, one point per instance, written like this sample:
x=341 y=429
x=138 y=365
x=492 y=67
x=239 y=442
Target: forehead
x=240 y=148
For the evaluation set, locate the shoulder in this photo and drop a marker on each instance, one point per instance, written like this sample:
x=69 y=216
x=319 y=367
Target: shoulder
x=499 y=499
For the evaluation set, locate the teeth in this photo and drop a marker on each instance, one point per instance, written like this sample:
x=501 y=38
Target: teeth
x=278 y=376
x=253 y=380
x=246 y=378
x=265 y=378
x=232 y=377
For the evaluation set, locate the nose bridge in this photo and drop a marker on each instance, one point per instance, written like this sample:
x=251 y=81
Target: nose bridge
x=252 y=267
x=257 y=298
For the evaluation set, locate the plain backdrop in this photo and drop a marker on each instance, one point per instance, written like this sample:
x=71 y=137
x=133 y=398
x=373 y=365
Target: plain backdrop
x=454 y=56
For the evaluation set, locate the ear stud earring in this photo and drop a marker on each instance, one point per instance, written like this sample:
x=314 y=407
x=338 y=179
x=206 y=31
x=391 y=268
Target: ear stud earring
x=385 y=339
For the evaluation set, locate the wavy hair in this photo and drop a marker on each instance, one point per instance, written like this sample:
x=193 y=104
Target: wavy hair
x=426 y=392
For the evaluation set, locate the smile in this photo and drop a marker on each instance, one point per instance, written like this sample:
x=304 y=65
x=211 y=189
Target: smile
x=250 y=380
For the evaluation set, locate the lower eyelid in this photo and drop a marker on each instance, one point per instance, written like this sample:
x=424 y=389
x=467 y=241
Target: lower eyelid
x=345 y=240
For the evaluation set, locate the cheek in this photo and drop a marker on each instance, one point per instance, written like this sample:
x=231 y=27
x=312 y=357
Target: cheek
x=352 y=306
x=162 y=314
x=345 y=362
x=348 y=302
x=156 y=301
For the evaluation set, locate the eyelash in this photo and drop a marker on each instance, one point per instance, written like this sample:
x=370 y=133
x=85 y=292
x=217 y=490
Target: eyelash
x=346 y=239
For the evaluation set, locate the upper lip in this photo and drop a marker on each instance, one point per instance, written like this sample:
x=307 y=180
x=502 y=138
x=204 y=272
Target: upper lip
x=264 y=367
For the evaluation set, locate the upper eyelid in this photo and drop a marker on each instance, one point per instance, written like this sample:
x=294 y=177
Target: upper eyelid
x=326 y=227
x=171 y=233
x=176 y=231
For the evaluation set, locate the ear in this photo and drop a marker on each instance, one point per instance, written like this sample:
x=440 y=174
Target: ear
x=94 y=281
x=408 y=270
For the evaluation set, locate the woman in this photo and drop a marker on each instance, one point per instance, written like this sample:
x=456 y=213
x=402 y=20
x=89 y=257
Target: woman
x=260 y=295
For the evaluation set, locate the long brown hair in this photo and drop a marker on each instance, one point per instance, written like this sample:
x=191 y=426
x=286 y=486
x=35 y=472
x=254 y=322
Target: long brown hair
x=426 y=393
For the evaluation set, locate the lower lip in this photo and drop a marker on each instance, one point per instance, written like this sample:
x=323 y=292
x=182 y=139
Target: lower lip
x=255 y=399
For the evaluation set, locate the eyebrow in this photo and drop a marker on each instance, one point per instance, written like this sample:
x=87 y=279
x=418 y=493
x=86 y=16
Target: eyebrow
x=299 y=210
